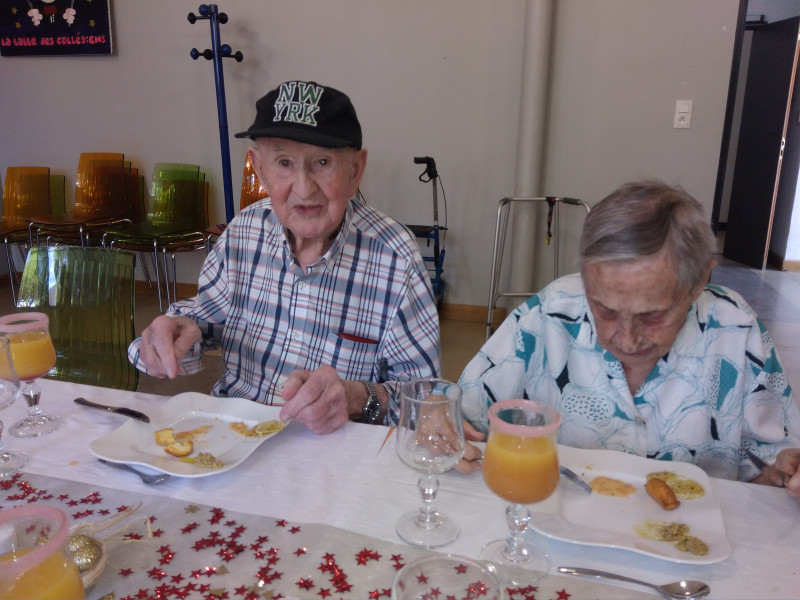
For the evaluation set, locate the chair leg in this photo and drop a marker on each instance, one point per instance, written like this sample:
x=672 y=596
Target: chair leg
x=12 y=271
x=145 y=270
x=158 y=278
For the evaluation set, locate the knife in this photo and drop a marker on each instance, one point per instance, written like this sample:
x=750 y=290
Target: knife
x=761 y=464
x=120 y=410
x=572 y=476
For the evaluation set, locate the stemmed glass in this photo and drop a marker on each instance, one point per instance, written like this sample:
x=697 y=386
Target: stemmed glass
x=11 y=461
x=520 y=464
x=33 y=355
x=430 y=439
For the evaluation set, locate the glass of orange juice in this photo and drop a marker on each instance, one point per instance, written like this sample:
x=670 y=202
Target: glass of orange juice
x=520 y=464
x=34 y=561
x=33 y=355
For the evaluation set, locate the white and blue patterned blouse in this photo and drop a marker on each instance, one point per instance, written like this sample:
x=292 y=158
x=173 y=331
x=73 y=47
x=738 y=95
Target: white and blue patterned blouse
x=720 y=387
x=365 y=308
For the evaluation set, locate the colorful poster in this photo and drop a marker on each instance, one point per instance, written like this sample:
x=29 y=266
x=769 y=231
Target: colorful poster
x=54 y=27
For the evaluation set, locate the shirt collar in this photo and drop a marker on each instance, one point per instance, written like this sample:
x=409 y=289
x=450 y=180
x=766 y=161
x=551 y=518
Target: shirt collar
x=328 y=259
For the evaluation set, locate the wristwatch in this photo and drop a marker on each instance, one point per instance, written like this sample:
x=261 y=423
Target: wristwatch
x=372 y=407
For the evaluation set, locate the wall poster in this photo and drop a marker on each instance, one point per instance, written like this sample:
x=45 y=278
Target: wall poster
x=54 y=27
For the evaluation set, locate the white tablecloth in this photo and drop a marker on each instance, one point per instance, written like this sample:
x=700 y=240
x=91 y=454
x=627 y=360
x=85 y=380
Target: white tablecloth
x=350 y=479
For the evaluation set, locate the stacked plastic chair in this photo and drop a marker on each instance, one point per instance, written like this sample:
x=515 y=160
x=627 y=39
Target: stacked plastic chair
x=27 y=191
x=175 y=219
x=104 y=197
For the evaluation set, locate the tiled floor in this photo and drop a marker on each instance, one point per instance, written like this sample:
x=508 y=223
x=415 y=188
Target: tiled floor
x=775 y=295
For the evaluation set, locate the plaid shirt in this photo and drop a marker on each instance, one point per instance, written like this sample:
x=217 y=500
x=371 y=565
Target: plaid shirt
x=365 y=308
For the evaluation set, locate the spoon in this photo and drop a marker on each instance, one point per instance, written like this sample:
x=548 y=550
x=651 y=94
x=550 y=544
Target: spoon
x=146 y=477
x=677 y=590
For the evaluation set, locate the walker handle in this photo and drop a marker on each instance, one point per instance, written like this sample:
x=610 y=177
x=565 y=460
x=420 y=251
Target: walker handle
x=430 y=167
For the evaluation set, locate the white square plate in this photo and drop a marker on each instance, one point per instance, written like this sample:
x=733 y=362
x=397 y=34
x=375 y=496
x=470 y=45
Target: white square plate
x=134 y=442
x=596 y=520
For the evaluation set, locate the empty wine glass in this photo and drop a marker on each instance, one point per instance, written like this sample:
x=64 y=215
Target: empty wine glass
x=33 y=355
x=520 y=464
x=430 y=439
x=11 y=461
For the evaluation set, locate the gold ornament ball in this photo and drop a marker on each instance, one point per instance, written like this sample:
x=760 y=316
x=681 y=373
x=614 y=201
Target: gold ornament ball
x=86 y=551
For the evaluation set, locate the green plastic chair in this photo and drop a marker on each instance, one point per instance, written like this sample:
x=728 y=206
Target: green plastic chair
x=175 y=217
x=88 y=293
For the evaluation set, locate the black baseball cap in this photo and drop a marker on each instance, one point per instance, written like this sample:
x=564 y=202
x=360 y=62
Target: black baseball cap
x=307 y=112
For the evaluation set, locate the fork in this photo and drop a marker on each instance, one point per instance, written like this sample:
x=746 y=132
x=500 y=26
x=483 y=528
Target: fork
x=145 y=477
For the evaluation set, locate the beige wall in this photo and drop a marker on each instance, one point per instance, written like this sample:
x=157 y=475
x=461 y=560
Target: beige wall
x=439 y=78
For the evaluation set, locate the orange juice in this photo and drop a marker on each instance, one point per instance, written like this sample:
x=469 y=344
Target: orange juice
x=32 y=353
x=520 y=469
x=54 y=578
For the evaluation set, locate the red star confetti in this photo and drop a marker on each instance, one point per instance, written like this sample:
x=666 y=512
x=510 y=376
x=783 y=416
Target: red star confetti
x=306 y=584
x=563 y=595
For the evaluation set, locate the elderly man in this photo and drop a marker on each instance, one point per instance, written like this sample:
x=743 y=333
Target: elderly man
x=639 y=354
x=316 y=298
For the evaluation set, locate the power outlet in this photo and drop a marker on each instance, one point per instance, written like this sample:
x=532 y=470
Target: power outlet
x=683 y=114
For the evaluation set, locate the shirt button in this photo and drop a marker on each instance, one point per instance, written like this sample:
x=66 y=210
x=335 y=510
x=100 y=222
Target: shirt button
x=639 y=421
x=295 y=335
x=301 y=286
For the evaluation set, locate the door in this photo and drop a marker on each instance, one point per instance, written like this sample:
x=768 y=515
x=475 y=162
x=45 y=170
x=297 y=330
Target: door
x=762 y=139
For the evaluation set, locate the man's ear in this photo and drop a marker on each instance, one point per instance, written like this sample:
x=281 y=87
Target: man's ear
x=357 y=169
x=255 y=162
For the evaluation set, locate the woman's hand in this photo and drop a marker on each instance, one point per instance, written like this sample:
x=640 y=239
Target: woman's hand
x=788 y=464
x=471 y=460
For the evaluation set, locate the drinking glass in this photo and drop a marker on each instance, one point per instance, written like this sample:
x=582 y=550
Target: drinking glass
x=11 y=461
x=35 y=563
x=445 y=576
x=430 y=439
x=33 y=355
x=520 y=464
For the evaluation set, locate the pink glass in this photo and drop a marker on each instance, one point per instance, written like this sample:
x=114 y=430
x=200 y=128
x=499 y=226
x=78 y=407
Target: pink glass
x=34 y=560
x=520 y=465
x=11 y=461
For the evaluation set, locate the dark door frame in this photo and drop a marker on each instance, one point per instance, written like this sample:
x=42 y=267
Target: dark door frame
x=741 y=25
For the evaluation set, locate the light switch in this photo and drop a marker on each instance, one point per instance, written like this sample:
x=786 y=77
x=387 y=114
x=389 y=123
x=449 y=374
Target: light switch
x=683 y=114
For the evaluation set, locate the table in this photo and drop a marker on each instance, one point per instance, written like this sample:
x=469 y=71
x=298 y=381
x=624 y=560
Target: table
x=353 y=481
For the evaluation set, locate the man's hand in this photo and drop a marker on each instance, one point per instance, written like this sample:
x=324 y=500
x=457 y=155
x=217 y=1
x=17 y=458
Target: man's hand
x=318 y=399
x=165 y=341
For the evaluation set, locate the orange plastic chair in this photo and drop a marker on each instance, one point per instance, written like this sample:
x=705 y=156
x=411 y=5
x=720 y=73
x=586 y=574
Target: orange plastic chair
x=252 y=191
x=27 y=191
x=102 y=198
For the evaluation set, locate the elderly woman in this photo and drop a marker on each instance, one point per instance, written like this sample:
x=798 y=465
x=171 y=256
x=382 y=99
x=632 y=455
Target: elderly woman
x=639 y=354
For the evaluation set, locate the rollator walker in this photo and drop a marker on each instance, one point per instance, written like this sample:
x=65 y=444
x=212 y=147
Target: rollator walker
x=431 y=233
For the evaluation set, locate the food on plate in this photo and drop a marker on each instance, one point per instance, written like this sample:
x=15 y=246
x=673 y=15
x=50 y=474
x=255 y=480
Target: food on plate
x=678 y=533
x=165 y=437
x=206 y=460
x=662 y=493
x=192 y=433
x=607 y=486
x=259 y=429
x=180 y=448
x=684 y=487
x=265 y=428
x=693 y=545
x=174 y=444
